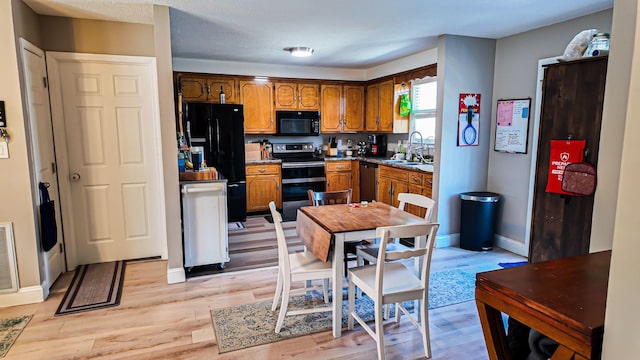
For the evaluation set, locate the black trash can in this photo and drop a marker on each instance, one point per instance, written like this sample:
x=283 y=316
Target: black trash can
x=478 y=213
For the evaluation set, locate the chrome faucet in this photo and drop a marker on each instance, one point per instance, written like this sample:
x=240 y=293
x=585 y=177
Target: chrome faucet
x=418 y=154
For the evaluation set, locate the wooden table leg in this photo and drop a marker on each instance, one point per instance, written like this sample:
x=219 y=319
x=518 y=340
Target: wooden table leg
x=564 y=353
x=493 y=329
x=338 y=277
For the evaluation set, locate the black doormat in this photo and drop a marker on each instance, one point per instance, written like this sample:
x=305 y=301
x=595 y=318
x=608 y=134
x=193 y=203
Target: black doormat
x=269 y=218
x=94 y=286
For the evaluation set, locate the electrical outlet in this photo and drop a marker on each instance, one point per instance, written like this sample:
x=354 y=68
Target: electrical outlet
x=4 y=150
x=3 y=118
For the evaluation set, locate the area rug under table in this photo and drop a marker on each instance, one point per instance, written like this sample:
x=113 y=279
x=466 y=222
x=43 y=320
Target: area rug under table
x=94 y=286
x=243 y=326
x=10 y=329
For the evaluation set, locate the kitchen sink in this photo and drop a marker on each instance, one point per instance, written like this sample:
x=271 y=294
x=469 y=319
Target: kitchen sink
x=425 y=167
x=412 y=164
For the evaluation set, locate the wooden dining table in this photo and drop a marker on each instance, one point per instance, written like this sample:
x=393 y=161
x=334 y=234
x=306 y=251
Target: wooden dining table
x=325 y=229
x=563 y=299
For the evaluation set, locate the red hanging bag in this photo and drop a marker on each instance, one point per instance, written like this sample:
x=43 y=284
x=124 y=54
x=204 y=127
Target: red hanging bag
x=579 y=179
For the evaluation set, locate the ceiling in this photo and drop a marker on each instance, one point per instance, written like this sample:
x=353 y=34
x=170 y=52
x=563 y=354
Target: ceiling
x=352 y=34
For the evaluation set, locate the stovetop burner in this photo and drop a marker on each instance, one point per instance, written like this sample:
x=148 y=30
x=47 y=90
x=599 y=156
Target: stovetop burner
x=295 y=152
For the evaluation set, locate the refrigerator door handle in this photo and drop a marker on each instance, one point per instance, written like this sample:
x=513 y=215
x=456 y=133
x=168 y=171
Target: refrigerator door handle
x=218 y=138
x=210 y=136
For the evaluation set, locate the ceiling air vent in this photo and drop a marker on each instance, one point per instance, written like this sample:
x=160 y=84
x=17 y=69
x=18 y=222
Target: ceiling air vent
x=8 y=271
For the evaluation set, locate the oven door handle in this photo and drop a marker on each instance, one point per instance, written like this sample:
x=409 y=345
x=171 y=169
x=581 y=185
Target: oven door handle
x=305 y=164
x=303 y=180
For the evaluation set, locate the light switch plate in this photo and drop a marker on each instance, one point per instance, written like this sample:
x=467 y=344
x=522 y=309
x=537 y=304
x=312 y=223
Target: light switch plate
x=4 y=150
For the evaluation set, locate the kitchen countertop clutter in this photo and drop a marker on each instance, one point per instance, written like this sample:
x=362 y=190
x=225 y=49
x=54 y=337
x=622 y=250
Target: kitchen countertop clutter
x=400 y=164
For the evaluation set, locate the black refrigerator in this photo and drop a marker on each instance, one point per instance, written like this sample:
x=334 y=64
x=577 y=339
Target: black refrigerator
x=219 y=129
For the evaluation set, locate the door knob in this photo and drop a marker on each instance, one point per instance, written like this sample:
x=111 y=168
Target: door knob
x=75 y=177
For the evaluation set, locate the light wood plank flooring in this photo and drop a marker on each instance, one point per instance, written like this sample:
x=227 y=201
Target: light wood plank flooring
x=160 y=321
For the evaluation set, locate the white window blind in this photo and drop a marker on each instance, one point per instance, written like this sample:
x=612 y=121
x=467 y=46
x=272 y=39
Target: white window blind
x=423 y=112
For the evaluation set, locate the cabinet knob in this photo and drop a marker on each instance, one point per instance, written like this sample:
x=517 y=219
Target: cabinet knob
x=262 y=170
x=339 y=167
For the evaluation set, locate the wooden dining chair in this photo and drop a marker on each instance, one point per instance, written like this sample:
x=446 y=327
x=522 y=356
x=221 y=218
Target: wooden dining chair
x=389 y=282
x=319 y=198
x=296 y=267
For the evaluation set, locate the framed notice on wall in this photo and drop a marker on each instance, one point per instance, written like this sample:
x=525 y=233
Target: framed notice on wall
x=512 y=125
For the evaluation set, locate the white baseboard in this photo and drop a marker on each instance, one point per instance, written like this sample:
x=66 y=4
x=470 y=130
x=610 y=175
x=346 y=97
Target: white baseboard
x=514 y=246
x=175 y=275
x=25 y=295
x=447 y=240
x=500 y=241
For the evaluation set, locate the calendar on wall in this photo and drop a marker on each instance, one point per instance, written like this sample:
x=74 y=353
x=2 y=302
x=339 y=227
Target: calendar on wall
x=512 y=125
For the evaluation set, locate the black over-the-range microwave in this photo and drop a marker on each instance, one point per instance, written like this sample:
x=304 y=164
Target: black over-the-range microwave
x=297 y=123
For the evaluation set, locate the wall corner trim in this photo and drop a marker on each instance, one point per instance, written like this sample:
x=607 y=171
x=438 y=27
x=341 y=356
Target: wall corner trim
x=511 y=245
x=25 y=295
x=175 y=275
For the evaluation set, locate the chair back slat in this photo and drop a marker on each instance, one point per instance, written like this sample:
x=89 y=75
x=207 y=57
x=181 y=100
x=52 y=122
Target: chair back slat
x=283 y=251
x=387 y=234
x=417 y=200
x=405 y=254
x=319 y=198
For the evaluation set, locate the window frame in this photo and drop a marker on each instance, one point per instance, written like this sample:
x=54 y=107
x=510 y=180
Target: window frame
x=422 y=114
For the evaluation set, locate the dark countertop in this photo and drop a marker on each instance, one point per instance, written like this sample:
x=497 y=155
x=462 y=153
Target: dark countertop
x=428 y=168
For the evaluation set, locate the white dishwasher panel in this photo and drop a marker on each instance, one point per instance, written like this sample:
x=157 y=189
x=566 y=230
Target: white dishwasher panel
x=204 y=221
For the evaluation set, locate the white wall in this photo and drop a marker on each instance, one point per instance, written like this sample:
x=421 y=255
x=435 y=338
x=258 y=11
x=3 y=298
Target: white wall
x=410 y=62
x=162 y=45
x=515 y=77
x=465 y=65
x=15 y=184
x=616 y=98
x=622 y=329
x=269 y=70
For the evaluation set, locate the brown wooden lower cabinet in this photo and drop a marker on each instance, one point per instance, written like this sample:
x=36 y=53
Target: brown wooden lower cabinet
x=343 y=175
x=393 y=181
x=263 y=185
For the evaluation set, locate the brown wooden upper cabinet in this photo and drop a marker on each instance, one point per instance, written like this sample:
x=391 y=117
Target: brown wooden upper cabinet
x=257 y=98
x=297 y=96
x=207 y=88
x=379 y=115
x=342 y=108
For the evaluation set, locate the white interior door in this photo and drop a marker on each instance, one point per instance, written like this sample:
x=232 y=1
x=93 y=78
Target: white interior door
x=43 y=158
x=110 y=113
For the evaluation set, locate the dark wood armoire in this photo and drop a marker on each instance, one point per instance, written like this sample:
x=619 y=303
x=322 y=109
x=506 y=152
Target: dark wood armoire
x=572 y=101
